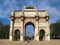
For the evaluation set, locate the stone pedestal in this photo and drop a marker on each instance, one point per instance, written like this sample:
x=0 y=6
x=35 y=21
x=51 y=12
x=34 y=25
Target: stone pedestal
x=47 y=37
x=10 y=38
x=21 y=38
x=37 y=37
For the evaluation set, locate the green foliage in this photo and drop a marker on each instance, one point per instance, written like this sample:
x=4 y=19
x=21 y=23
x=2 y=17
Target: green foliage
x=55 y=28
x=4 y=30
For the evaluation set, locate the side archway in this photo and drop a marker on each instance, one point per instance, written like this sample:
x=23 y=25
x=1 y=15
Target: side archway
x=41 y=34
x=17 y=35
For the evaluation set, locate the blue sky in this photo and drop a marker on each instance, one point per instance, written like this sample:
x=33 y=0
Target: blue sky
x=29 y=30
x=6 y=6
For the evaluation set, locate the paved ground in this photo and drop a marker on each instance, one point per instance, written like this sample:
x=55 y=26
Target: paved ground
x=7 y=42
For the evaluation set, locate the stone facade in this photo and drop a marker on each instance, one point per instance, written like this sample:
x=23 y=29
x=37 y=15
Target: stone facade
x=40 y=19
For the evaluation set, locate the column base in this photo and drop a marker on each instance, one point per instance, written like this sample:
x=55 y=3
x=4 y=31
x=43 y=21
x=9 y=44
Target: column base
x=47 y=38
x=21 y=38
x=10 y=38
x=36 y=38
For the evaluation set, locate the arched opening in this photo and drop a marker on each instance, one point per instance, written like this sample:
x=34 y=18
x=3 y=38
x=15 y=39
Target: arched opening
x=17 y=35
x=29 y=31
x=41 y=34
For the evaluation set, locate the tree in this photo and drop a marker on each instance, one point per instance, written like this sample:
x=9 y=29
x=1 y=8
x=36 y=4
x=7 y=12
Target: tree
x=5 y=31
x=55 y=28
x=1 y=24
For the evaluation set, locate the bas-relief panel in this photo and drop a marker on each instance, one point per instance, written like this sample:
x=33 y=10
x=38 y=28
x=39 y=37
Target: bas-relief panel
x=17 y=14
x=17 y=23
x=30 y=14
x=42 y=25
x=42 y=14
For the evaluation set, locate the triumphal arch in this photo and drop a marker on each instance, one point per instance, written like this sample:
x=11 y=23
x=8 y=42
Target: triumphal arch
x=29 y=15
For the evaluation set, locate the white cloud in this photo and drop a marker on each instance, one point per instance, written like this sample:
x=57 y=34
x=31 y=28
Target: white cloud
x=54 y=13
x=8 y=5
x=31 y=3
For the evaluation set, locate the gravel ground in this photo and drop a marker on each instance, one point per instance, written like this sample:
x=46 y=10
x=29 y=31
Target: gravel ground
x=7 y=42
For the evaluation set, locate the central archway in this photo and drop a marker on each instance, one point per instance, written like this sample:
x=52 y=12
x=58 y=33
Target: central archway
x=29 y=31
